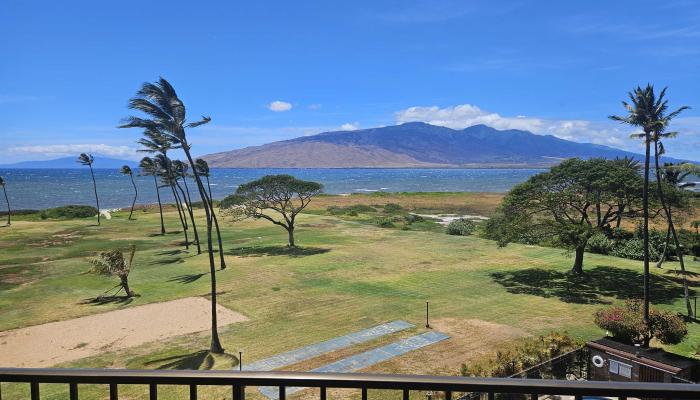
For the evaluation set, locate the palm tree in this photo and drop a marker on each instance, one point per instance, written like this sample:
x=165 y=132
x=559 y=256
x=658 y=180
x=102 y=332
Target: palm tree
x=180 y=171
x=166 y=114
x=662 y=120
x=203 y=169
x=154 y=141
x=148 y=168
x=88 y=159
x=126 y=170
x=167 y=176
x=7 y=200
x=642 y=112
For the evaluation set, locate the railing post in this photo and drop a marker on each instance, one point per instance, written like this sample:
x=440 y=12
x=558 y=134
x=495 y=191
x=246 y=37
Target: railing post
x=238 y=392
x=491 y=396
x=534 y=396
x=113 y=392
x=448 y=395
x=193 y=392
x=323 y=393
x=283 y=393
x=73 y=389
x=152 y=392
x=34 y=389
x=405 y=394
x=364 y=393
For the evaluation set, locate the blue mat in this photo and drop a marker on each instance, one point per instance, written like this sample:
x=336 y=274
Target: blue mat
x=317 y=349
x=368 y=358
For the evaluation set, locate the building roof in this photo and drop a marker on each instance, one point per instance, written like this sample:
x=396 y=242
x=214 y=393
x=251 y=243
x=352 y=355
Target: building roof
x=658 y=358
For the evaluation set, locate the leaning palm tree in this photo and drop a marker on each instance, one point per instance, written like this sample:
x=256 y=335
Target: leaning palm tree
x=643 y=112
x=148 y=168
x=167 y=176
x=166 y=114
x=154 y=141
x=7 y=200
x=88 y=159
x=126 y=170
x=203 y=169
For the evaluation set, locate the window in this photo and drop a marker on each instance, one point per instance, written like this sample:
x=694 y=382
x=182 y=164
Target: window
x=621 y=369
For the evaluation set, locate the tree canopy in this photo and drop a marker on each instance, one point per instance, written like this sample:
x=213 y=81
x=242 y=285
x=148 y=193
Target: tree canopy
x=569 y=203
x=283 y=194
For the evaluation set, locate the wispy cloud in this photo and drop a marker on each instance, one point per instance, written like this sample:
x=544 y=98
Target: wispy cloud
x=74 y=149
x=279 y=106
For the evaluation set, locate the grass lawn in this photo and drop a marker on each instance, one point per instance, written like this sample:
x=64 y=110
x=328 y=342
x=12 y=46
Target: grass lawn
x=348 y=275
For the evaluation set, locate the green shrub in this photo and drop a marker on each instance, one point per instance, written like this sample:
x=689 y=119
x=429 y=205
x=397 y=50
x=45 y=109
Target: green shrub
x=634 y=250
x=690 y=241
x=626 y=324
x=392 y=208
x=69 y=212
x=599 y=243
x=384 y=222
x=361 y=208
x=352 y=211
x=461 y=227
x=412 y=218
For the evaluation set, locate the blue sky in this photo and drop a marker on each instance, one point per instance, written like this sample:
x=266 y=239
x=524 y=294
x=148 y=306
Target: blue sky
x=271 y=70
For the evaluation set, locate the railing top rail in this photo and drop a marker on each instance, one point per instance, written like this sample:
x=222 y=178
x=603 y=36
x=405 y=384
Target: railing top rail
x=369 y=381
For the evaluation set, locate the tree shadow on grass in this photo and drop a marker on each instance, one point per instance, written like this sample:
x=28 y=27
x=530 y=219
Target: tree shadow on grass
x=595 y=286
x=202 y=359
x=167 y=261
x=187 y=278
x=171 y=252
x=259 y=251
x=103 y=300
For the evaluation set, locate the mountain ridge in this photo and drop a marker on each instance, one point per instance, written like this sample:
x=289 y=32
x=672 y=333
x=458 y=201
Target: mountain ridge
x=415 y=145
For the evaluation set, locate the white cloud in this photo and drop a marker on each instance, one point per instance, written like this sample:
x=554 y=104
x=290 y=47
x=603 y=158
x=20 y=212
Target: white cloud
x=74 y=149
x=315 y=106
x=464 y=115
x=350 y=126
x=279 y=106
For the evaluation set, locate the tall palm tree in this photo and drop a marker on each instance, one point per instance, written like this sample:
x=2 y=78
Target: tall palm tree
x=167 y=176
x=662 y=119
x=88 y=159
x=126 y=170
x=180 y=172
x=7 y=200
x=643 y=112
x=166 y=113
x=148 y=168
x=203 y=169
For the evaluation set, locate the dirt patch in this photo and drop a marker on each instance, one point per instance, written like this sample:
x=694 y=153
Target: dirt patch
x=56 y=342
x=469 y=339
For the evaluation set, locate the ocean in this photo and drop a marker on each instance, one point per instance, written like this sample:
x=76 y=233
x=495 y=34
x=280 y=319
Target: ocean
x=44 y=188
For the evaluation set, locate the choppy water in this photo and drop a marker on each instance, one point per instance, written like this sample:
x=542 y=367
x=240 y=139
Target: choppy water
x=43 y=188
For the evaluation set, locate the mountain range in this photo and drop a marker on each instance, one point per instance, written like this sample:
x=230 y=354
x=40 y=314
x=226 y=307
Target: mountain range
x=71 y=162
x=415 y=145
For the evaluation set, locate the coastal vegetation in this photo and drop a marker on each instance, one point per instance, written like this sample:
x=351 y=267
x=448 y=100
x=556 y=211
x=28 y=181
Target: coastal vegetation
x=126 y=170
x=113 y=263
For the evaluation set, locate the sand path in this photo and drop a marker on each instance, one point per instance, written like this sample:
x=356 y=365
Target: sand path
x=56 y=342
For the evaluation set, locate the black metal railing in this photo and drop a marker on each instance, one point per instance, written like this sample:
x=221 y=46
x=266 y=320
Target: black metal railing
x=238 y=381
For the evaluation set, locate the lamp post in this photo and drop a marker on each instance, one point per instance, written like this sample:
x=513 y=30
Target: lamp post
x=427 y=314
x=240 y=360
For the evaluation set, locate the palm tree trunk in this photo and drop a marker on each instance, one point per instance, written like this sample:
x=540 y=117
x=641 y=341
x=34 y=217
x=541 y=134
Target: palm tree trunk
x=9 y=211
x=160 y=206
x=645 y=207
x=136 y=194
x=181 y=214
x=215 y=346
x=222 y=261
x=188 y=203
x=94 y=187
x=666 y=242
x=669 y=219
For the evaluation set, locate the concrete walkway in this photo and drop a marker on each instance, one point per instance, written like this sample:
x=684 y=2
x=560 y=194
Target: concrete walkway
x=367 y=359
x=317 y=349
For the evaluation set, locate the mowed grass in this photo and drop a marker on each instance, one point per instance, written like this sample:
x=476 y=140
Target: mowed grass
x=346 y=276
